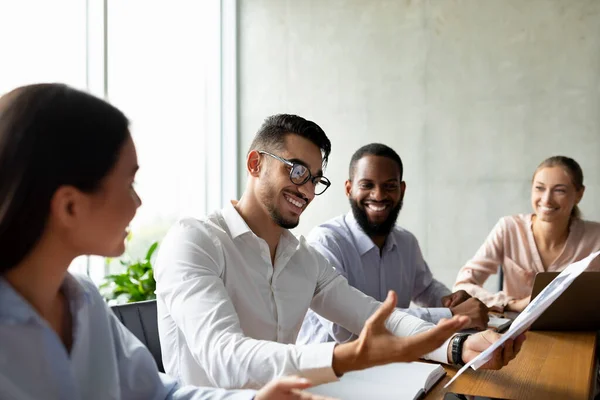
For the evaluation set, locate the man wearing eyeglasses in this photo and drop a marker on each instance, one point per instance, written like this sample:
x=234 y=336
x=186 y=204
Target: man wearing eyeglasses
x=233 y=288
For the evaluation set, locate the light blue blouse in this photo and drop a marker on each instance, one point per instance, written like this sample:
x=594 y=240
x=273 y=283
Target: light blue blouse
x=106 y=360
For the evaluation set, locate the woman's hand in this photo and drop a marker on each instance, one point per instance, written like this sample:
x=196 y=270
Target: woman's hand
x=518 y=305
x=287 y=388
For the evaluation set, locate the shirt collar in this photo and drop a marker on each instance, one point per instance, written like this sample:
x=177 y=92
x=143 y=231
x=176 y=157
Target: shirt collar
x=390 y=241
x=363 y=242
x=361 y=239
x=14 y=308
x=237 y=226
x=289 y=240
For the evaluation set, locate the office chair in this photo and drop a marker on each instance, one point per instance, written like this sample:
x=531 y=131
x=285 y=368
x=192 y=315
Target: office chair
x=140 y=318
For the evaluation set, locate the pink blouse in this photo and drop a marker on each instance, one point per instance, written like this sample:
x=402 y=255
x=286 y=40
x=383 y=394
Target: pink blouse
x=511 y=245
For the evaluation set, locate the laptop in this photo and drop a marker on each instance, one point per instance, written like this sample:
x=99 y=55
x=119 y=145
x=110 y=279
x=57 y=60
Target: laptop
x=577 y=309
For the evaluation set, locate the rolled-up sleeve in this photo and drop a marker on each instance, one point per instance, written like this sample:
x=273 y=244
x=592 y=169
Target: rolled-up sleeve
x=189 y=281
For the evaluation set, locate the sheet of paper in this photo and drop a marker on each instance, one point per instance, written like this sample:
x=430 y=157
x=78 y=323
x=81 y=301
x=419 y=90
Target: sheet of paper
x=532 y=311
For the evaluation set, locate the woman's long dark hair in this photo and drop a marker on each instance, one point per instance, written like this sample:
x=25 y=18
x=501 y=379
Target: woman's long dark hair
x=50 y=135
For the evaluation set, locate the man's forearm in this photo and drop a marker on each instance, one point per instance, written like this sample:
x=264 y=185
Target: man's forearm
x=344 y=358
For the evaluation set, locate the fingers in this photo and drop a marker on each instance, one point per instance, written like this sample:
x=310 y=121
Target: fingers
x=508 y=352
x=447 y=301
x=287 y=383
x=454 y=300
x=519 y=343
x=502 y=355
x=452 y=325
x=476 y=310
x=482 y=318
x=505 y=354
x=423 y=343
x=497 y=309
x=497 y=360
x=479 y=342
x=457 y=298
x=301 y=395
x=485 y=317
x=384 y=311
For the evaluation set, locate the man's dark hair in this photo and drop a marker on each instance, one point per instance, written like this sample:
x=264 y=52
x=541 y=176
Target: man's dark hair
x=375 y=149
x=271 y=135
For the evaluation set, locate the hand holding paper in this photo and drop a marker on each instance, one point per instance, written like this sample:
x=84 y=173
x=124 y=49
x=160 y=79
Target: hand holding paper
x=478 y=343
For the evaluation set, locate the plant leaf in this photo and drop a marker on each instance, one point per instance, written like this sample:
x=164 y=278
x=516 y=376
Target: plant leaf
x=151 y=251
x=136 y=283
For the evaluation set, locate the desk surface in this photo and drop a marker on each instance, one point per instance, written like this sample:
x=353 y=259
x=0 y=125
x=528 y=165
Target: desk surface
x=551 y=365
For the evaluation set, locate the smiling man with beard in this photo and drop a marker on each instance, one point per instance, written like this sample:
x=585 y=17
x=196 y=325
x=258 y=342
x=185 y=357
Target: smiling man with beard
x=233 y=288
x=375 y=255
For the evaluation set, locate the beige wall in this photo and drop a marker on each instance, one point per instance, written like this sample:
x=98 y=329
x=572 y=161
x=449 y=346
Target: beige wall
x=471 y=94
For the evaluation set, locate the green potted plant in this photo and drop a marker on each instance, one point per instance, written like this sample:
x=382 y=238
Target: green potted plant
x=136 y=283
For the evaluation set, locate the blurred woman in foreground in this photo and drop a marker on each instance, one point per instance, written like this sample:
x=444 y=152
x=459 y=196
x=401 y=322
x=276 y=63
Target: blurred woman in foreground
x=67 y=168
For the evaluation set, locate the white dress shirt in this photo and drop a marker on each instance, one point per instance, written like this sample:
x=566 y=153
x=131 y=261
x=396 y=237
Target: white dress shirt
x=399 y=266
x=229 y=318
x=106 y=361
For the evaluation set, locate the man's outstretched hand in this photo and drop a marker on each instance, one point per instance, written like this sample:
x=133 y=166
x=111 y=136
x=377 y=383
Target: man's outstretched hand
x=376 y=345
x=287 y=388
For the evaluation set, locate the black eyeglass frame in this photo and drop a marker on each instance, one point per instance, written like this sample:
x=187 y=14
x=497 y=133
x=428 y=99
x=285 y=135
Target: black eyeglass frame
x=314 y=179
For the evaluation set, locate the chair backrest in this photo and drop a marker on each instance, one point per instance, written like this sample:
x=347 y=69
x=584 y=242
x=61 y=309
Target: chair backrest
x=140 y=318
x=500 y=278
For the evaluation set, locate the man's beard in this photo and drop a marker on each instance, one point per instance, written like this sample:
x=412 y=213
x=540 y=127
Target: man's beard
x=271 y=205
x=372 y=229
x=278 y=218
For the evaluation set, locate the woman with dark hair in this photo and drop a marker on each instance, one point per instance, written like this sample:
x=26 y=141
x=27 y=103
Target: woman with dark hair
x=67 y=168
x=549 y=239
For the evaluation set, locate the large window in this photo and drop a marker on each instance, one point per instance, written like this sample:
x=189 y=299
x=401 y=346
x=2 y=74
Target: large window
x=159 y=62
x=163 y=71
x=42 y=41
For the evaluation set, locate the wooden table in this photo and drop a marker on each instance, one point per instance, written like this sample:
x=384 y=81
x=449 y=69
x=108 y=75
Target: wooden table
x=551 y=365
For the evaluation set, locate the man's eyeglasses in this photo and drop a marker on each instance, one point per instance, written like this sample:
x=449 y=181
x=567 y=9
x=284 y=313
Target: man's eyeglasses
x=299 y=174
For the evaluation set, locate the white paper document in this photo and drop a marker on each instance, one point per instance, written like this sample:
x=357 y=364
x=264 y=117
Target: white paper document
x=533 y=310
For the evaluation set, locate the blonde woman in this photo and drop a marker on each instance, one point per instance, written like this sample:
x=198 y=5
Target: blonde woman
x=549 y=239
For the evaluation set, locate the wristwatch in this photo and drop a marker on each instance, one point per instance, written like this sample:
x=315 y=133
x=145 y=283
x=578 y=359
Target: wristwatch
x=457 y=348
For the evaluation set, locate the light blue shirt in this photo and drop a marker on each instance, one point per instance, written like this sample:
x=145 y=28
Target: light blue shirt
x=106 y=360
x=399 y=266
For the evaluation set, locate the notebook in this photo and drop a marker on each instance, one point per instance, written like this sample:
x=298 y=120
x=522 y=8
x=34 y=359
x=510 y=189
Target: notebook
x=387 y=382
